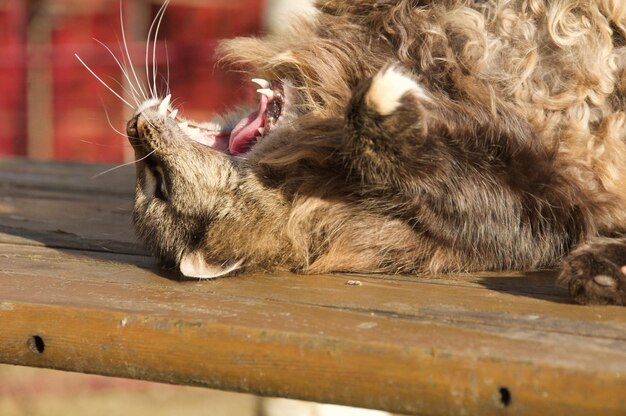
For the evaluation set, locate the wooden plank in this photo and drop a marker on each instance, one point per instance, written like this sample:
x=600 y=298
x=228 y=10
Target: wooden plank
x=62 y=205
x=77 y=293
x=409 y=346
x=72 y=178
x=53 y=219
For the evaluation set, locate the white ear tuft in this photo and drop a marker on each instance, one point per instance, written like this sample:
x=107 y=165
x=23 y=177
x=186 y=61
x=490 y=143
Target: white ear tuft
x=388 y=87
x=193 y=264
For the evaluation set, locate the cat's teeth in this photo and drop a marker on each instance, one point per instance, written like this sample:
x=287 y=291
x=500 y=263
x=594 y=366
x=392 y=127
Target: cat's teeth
x=173 y=114
x=261 y=130
x=261 y=82
x=183 y=125
x=266 y=91
x=164 y=105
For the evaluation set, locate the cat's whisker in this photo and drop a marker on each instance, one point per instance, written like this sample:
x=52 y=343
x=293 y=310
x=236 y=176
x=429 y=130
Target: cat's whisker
x=165 y=87
x=130 y=61
x=176 y=102
x=116 y=131
x=106 y=113
x=148 y=40
x=154 y=46
x=98 y=144
x=125 y=64
x=124 y=70
x=123 y=165
x=102 y=82
x=123 y=88
x=167 y=62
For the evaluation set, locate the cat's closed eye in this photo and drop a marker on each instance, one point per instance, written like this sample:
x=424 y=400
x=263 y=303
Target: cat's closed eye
x=161 y=192
x=155 y=184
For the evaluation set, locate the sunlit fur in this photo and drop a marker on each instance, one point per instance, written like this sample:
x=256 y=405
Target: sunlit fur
x=509 y=152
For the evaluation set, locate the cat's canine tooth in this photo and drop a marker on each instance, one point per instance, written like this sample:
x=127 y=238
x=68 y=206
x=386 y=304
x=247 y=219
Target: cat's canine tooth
x=164 y=105
x=261 y=130
x=183 y=125
x=173 y=114
x=266 y=91
x=261 y=82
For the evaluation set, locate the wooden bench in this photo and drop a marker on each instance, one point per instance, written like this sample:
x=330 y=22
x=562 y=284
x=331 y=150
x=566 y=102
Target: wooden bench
x=78 y=293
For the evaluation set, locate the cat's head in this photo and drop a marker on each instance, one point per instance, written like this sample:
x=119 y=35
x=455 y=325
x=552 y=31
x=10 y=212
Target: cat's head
x=198 y=205
x=204 y=203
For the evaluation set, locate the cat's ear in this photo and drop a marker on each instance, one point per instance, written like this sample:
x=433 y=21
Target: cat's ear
x=194 y=264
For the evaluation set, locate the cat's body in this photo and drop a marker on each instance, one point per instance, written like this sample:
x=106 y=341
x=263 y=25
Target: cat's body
x=401 y=137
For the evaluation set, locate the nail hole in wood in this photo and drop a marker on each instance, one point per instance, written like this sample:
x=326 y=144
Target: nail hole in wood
x=505 y=396
x=36 y=344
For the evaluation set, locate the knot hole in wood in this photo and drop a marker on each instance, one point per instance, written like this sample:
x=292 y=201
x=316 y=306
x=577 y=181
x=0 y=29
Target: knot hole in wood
x=36 y=344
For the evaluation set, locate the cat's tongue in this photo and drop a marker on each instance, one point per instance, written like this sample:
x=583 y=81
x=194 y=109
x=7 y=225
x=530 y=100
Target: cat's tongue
x=246 y=131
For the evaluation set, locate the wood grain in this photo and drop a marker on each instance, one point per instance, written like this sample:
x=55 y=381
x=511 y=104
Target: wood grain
x=475 y=344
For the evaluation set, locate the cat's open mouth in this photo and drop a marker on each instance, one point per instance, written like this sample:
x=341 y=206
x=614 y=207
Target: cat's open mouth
x=248 y=131
x=259 y=122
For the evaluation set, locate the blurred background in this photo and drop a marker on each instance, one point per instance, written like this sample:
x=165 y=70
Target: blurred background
x=52 y=108
x=37 y=392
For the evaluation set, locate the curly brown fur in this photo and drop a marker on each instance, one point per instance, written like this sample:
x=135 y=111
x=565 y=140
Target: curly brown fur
x=416 y=136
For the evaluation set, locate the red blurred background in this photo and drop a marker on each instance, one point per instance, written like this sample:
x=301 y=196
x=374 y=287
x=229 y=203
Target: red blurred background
x=51 y=107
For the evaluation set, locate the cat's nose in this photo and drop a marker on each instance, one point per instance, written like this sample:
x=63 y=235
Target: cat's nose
x=132 y=130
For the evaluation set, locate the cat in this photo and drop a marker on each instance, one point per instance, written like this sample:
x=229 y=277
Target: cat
x=404 y=136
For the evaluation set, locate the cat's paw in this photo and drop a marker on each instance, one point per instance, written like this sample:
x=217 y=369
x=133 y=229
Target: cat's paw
x=391 y=89
x=595 y=273
x=390 y=107
x=386 y=124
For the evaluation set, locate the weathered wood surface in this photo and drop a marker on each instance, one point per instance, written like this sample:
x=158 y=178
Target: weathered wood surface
x=78 y=293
